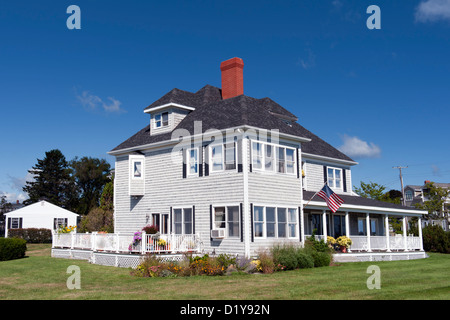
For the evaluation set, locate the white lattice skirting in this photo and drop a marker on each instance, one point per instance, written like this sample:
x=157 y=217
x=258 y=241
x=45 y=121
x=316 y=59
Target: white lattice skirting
x=109 y=259
x=378 y=256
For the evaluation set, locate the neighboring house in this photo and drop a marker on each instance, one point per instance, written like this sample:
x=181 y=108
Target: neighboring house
x=238 y=171
x=418 y=194
x=41 y=214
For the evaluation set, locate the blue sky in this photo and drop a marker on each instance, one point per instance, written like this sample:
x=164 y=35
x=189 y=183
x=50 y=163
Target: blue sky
x=380 y=95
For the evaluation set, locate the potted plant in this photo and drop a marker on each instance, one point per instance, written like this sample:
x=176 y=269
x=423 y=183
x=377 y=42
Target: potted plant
x=344 y=243
x=331 y=242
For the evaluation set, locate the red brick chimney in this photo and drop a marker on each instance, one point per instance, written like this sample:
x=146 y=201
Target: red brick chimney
x=232 y=78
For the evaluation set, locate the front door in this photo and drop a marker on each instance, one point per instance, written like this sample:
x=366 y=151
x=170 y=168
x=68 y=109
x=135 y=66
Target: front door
x=339 y=225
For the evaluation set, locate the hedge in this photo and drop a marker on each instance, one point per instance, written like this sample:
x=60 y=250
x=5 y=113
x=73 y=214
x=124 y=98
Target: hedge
x=12 y=248
x=32 y=235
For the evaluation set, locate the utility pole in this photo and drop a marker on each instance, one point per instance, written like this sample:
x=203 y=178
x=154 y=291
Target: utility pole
x=401 y=182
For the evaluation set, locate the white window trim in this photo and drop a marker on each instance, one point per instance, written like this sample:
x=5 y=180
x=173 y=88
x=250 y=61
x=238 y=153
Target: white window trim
x=264 y=236
x=274 y=159
x=188 y=161
x=210 y=156
x=133 y=160
x=333 y=187
x=226 y=219
x=15 y=220
x=160 y=114
x=183 y=222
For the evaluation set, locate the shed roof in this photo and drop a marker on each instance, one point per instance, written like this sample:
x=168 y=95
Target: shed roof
x=41 y=208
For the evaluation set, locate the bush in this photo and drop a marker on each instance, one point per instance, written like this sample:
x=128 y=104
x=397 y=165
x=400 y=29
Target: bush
x=435 y=239
x=266 y=263
x=321 y=259
x=12 y=248
x=32 y=235
x=284 y=257
x=304 y=260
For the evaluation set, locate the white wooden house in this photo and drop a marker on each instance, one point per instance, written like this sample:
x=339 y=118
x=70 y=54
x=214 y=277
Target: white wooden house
x=39 y=215
x=236 y=172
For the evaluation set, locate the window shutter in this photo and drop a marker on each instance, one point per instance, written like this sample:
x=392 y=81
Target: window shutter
x=298 y=163
x=344 y=180
x=170 y=218
x=210 y=220
x=184 y=151
x=325 y=176
x=206 y=160
x=66 y=222
x=193 y=219
x=200 y=161
x=54 y=224
x=20 y=223
x=242 y=223
x=299 y=224
x=251 y=223
x=9 y=223
x=239 y=155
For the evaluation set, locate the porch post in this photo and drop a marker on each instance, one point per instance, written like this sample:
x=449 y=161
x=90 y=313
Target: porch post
x=324 y=224
x=405 y=239
x=302 y=225
x=347 y=227
x=369 y=249
x=419 y=226
x=386 y=231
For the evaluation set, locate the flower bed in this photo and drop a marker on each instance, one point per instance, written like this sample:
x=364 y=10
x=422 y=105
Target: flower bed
x=278 y=258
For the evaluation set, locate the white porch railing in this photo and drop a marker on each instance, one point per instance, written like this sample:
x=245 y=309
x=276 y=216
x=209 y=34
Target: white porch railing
x=123 y=243
x=397 y=242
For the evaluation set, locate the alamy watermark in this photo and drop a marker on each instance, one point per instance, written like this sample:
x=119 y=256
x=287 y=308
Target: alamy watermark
x=74 y=280
x=374 y=281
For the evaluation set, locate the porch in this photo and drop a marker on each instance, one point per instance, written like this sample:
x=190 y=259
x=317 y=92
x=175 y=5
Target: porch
x=123 y=250
x=369 y=232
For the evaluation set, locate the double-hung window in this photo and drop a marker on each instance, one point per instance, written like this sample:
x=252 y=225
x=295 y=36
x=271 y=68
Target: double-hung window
x=334 y=176
x=192 y=155
x=223 y=157
x=228 y=218
x=274 y=222
x=162 y=120
x=183 y=221
x=272 y=158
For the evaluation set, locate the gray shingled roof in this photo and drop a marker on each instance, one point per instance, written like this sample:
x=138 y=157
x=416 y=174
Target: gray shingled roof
x=359 y=201
x=215 y=113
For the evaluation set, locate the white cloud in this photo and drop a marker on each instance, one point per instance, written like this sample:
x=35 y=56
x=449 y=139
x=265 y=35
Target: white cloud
x=433 y=10
x=94 y=102
x=309 y=61
x=357 y=148
x=13 y=197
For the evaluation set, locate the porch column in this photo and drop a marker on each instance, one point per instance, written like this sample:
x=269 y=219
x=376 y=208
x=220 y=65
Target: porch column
x=347 y=227
x=369 y=249
x=302 y=225
x=386 y=231
x=419 y=226
x=324 y=224
x=405 y=239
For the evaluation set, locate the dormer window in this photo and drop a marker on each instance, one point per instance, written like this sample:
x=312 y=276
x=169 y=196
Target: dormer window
x=162 y=120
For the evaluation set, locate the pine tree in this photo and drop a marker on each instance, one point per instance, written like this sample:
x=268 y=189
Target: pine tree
x=52 y=181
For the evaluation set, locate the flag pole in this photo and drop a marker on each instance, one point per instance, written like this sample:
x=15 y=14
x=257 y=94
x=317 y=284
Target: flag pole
x=315 y=194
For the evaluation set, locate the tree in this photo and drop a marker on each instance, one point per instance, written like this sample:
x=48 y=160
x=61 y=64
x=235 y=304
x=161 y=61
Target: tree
x=52 y=181
x=370 y=190
x=435 y=203
x=90 y=175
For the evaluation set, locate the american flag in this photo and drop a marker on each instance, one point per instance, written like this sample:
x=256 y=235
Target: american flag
x=332 y=199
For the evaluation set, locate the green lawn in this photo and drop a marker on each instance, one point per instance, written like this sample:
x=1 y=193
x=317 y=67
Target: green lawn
x=38 y=276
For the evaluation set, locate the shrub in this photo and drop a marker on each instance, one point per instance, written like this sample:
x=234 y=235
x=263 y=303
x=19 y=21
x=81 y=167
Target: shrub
x=435 y=239
x=12 y=248
x=321 y=259
x=32 y=235
x=304 y=260
x=151 y=229
x=284 y=257
x=266 y=262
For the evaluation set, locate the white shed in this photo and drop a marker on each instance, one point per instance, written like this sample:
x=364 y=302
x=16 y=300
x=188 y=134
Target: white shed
x=41 y=214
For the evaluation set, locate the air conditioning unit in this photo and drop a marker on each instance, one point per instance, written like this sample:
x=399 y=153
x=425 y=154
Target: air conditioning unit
x=218 y=233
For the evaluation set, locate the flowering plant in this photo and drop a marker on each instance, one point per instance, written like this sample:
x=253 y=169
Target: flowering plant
x=136 y=240
x=162 y=242
x=330 y=241
x=64 y=229
x=344 y=241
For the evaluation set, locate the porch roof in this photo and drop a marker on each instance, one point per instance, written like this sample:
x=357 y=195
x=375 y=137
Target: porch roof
x=360 y=204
